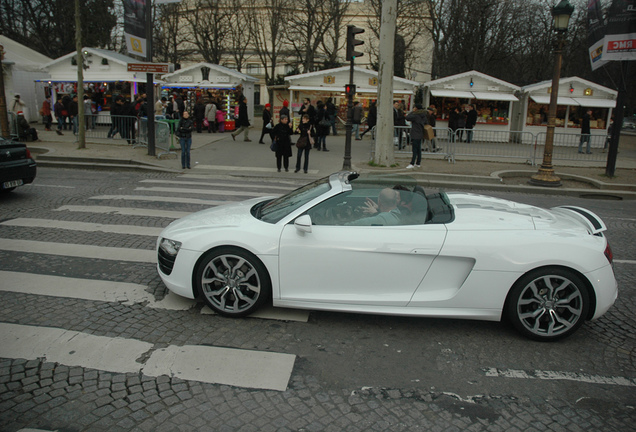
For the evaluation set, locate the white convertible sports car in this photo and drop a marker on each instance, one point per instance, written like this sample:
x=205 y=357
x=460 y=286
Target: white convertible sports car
x=383 y=245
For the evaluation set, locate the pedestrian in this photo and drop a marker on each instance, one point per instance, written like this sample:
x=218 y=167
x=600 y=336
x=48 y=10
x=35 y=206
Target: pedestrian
x=72 y=114
x=585 y=131
x=88 y=111
x=356 y=119
x=322 y=126
x=127 y=120
x=418 y=118
x=220 y=119
x=282 y=133
x=372 y=120
x=307 y=108
x=461 y=124
x=304 y=143
x=17 y=104
x=210 y=115
x=471 y=121
x=172 y=111
x=243 y=122
x=284 y=111
x=453 y=122
x=45 y=111
x=331 y=113
x=184 y=132
x=160 y=107
x=24 y=128
x=398 y=122
x=432 y=113
x=199 y=114
x=58 y=109
x=115 y=117
x=268 y=123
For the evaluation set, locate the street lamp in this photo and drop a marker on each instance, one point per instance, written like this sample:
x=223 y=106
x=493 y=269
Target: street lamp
x=545 y=176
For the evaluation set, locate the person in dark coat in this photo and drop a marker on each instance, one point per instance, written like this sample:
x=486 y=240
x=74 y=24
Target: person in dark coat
x=432 y=113
x=453 y=122
x=184 y=131
x=372 y=119
x=331 y=113
x=585 y=131
x=58 y=108
x=284 y=111
x=356 y=119
x=199 y=114
x=305 y=129
x=471 y=121
x=321 y=131
x=24 y=128
x=267 y=120
x=308 y=108
x=73 y=110
x=243 y=122
x=282 y=135
x=418 y=119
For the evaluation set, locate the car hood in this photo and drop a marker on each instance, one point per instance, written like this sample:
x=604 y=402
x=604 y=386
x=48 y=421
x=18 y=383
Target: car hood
x=227 y=215
x=474 y=211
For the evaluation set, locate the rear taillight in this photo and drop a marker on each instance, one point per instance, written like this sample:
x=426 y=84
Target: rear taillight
x=28 y=154
x=608 y=254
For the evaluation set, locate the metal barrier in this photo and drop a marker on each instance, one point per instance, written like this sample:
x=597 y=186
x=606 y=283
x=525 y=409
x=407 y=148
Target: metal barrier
x=13 y=126
x=163 y=136
x=492 y=143
x=566 y=147
x=119 y=127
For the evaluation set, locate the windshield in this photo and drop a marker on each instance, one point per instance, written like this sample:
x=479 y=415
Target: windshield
x=275 y=210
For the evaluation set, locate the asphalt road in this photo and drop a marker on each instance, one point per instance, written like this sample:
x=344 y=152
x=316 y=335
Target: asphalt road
x=351 y=371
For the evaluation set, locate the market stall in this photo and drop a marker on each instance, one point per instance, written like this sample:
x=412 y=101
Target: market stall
x=575 y=96
x=22 y=66
x=331 y=83
x=214 y=82
x=105 y=78
x=493 y=99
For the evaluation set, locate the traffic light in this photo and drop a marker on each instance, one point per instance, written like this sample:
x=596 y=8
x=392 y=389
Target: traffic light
x=352 y=42
x=350 y=90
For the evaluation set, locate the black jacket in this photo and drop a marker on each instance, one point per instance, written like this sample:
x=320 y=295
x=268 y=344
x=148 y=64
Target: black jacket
x=282 y=134
x=184 y=129
x=243 y=119
x=418 y=119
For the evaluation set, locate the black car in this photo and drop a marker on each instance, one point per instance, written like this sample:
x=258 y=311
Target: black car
x=17 y=167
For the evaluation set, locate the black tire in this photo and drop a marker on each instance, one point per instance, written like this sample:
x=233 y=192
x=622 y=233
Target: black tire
x=232 y=281
x=548 y=304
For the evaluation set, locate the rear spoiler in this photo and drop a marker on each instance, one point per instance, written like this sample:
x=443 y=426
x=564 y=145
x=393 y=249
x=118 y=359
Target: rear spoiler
x=591 y=220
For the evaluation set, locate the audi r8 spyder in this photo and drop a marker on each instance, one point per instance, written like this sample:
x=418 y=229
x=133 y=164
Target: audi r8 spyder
x=382 y=244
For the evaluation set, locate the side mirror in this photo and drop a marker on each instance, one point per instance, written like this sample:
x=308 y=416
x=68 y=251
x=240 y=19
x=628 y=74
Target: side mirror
x=303 y=223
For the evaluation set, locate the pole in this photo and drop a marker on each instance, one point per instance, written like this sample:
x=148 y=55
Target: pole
x=610 y=168
x=150 y=86
x=81 y=122
x=346 y=165
x=4 y=120
x=384 y=128
x=545 y=176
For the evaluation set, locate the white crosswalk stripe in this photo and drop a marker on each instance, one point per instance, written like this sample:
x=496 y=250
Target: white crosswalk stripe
x=243 y=368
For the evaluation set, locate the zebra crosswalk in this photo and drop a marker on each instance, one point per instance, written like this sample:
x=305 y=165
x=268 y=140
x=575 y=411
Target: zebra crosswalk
x=81 y=220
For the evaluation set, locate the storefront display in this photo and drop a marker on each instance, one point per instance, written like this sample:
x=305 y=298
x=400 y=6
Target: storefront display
x=575 y=97
x=492 y=98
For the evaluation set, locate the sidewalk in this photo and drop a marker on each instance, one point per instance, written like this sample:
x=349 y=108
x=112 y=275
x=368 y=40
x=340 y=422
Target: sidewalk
x=217 y=153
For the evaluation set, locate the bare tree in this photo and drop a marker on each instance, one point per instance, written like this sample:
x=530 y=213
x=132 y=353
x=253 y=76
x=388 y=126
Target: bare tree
x=410 y=34
x=239 y=37
x=209 y=22
x=170 y=40
x=266 y=20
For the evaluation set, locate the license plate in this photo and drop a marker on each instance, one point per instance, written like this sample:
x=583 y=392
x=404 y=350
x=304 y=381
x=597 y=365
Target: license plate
x=11 y=184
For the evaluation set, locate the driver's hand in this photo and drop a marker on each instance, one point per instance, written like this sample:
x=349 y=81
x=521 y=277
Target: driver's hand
x=370 y=207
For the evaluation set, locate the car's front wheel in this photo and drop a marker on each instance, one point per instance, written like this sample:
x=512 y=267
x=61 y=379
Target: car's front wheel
x=548 y=303
x=232 y=281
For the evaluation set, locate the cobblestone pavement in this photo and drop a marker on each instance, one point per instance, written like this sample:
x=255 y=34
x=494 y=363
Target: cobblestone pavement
x=352 y=372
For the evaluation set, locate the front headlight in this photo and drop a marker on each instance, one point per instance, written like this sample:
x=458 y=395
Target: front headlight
x=170 y=247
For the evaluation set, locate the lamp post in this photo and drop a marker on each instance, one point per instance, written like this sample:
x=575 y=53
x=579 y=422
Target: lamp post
x=545 y=176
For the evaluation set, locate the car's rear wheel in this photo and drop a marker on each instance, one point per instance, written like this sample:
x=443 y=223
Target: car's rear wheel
x=548 y=303
x=232 y=281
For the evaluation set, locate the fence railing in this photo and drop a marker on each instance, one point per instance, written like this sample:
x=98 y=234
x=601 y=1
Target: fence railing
x=164 y=136
x=525 y=146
